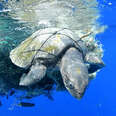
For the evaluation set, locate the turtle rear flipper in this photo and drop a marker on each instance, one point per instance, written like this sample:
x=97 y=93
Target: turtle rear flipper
x=36 y=73
x=94 y=62
x=74 y=72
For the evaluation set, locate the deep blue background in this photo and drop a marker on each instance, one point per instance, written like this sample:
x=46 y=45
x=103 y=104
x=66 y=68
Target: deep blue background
x=100 y=97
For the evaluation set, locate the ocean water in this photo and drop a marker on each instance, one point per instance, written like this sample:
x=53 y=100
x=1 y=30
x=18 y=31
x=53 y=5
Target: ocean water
x=100 y=97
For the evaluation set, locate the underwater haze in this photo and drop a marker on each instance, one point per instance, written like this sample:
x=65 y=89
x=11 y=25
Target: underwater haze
x=99 y=98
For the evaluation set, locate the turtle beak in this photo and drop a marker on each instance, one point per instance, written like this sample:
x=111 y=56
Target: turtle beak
x=78 y=89
x=77 y=95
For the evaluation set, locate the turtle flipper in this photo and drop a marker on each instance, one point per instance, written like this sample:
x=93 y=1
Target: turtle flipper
x=95 y=62
x=74 y=72
x=36 y=73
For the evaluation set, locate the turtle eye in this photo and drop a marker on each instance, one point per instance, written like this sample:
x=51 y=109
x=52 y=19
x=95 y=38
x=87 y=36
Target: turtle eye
x=68 y=83
x=71 y=85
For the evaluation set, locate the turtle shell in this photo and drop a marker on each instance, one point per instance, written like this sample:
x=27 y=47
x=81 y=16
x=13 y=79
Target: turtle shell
x=44 y=43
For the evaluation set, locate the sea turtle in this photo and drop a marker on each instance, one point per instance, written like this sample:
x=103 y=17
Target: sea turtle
x=49 y=48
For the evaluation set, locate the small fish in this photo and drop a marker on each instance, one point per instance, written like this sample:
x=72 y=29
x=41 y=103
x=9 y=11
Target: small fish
x=49 y=96
x=26 y=104
x=7 y=97
x=28 y=97
x=0 y=103
x=12 y=92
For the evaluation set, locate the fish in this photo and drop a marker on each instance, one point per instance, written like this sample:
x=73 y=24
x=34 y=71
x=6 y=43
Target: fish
x=49 y=96
x=12 y=92
x=28 y=97
x=0 y=103
x=26 y=104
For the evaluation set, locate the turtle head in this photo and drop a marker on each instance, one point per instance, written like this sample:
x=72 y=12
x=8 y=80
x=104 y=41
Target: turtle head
x=74 y=72
x=75 y=86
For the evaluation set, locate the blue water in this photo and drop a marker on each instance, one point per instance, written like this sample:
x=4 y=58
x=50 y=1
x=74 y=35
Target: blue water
x=100 y=97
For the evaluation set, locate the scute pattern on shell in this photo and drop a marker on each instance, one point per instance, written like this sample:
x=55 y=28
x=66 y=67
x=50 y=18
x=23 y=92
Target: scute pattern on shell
x=45 y=43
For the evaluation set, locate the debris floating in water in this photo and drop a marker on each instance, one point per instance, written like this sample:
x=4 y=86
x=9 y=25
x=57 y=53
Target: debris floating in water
x=109 y=3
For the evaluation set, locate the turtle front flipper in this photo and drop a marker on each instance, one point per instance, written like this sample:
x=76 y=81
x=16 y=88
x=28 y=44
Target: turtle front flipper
x=36 y=73
x=74 y=72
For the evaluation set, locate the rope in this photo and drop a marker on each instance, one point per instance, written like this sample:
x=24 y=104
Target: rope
x=57 y=32
x=44 y=43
